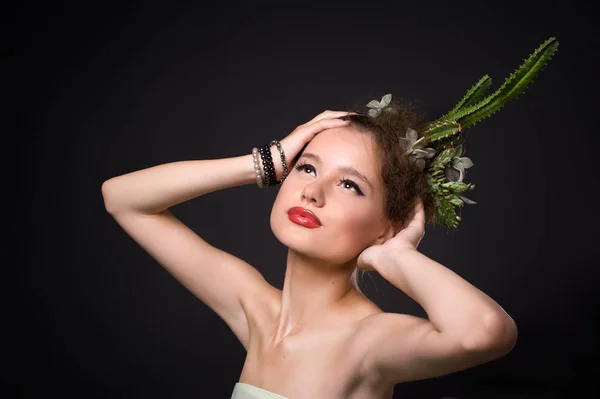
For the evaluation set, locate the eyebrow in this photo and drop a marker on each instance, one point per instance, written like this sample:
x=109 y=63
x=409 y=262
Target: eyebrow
x=346 y=169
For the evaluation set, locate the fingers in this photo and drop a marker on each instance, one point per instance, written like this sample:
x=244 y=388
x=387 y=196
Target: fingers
x=328 y=115
x=324 y=124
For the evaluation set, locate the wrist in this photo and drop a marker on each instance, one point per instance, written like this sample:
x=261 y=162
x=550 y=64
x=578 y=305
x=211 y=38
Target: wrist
x=394 y=258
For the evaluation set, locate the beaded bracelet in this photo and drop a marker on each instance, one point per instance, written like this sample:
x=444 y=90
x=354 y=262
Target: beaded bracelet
x=268 y=166
x=261 y=151
x=283 y=162
x=268 y=178
x=259 y=179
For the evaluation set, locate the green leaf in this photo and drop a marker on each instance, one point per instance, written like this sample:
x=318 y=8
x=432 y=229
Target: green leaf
x=456 y=201
x=456 y=186
x=443 y=158
x=445 y=213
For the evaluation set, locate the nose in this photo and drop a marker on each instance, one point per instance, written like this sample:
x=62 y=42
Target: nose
x=313 y=194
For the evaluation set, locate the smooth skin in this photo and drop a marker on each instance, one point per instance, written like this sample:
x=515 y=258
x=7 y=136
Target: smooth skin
x=296 y=339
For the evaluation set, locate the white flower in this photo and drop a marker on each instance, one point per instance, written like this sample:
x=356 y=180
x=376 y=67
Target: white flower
x=456 y=171
x=378 y=106
x=415 y=151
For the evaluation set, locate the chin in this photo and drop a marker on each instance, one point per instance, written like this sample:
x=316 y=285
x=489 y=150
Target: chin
x=313 y=243
x=296 y=237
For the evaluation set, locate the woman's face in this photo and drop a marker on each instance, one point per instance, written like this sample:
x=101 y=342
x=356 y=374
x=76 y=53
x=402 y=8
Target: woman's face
x=350 y=208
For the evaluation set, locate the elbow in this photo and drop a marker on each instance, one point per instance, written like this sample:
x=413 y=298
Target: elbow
x=497 y=335
x=106 y=196
x=504 y=336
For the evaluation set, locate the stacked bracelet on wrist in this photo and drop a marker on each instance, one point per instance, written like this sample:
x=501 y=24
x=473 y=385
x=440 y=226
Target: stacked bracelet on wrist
x=268 y=167
x=259 y=179
x=268 y=178
x=283 y=162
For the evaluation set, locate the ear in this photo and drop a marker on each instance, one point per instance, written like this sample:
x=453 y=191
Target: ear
x=388 y=232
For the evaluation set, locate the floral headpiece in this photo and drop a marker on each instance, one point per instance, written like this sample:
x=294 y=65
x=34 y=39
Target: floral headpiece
x=435 y=153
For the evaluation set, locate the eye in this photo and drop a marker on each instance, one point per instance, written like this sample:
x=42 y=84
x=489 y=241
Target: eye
x=306 y=166
x=303 y=166
x=351 y=184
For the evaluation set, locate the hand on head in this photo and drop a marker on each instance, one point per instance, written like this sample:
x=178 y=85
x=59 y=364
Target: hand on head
x=293 y=143
x=407 y=238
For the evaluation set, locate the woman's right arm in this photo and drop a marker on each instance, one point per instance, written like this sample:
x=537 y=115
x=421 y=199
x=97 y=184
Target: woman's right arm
x=155 y=189
x=139 y=202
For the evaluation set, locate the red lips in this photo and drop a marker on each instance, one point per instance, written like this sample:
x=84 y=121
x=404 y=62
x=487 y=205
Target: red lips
x=306 y=217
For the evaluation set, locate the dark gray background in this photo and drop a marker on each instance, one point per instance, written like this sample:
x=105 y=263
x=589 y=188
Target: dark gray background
x=104 y=89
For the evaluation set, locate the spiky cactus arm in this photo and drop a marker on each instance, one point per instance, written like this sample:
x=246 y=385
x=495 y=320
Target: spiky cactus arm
x=443 y=133
x=467 y=113
x=473 y=96
x=514 y=85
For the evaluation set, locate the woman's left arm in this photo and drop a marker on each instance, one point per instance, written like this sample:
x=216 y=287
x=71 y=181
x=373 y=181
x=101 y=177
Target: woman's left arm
x=465 y=327
x=454 y=306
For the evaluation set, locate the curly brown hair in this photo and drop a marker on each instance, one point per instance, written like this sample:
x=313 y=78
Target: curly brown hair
x=403 y=182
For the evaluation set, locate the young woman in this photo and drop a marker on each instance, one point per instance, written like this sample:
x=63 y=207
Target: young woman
x=350 y=200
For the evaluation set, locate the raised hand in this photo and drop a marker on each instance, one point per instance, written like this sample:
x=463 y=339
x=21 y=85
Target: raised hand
x=296 y=140
x=406 y=239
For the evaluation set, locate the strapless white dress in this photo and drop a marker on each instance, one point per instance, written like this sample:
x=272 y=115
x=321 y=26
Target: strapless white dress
x=247 y=391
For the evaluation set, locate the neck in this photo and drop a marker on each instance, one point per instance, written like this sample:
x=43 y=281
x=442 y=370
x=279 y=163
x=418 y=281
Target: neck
x=312 y=290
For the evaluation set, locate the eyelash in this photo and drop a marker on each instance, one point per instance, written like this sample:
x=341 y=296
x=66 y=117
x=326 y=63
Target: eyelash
x=300 y=166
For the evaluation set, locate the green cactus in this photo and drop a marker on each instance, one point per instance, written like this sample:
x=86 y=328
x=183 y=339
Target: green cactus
x=444 y=132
